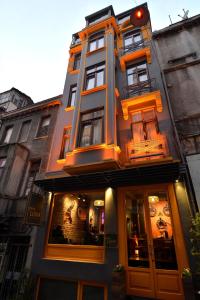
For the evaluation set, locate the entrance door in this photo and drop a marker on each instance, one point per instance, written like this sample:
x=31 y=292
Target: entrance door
x=151 y=254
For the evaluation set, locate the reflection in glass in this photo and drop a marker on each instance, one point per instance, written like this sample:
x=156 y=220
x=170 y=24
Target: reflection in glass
x=136 y=230
x=162 y=231
x=78 y=219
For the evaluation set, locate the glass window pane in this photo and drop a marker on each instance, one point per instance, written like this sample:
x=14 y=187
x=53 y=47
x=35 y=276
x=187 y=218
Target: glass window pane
x=142 y=77
x=78 y=219
x=137 y=38
x=93 y=45
x=73 y=97
x=162 y=231
x=100 y=78
x=142 y=66
x=101 y=42
x=86 y=135
x=136 y=230
x=90 y=83
x=132 y=79
x=128 y=41
x=51 y=289
x=97 y=131
x=8 y=134
x=93 y=293
x=24 y=131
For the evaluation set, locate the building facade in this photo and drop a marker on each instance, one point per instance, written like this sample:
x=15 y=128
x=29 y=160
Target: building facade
x=25 y=137
x=178 y=51
x=115 y=180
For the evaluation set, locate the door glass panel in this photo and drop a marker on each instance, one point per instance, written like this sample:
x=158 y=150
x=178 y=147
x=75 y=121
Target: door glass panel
x=162 y=231
x=93 y=293
x=136 y=230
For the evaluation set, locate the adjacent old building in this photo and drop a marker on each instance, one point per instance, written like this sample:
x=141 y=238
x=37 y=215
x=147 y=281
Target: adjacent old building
x=115 y=179
x=178 y=49
x=25 y=137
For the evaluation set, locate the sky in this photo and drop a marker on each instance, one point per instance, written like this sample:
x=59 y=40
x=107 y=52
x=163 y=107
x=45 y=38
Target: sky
x=35 y=36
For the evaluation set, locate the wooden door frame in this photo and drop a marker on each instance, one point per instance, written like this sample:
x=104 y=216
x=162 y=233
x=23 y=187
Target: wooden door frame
x=180 y=249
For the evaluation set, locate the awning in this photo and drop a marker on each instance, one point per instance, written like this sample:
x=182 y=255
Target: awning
x=151 y=174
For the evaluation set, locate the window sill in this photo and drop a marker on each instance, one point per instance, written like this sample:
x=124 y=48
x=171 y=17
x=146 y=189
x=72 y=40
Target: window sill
x=82 y=253
x=69 y=108
x=95 y=51
x=96 y=89
x=73 y=72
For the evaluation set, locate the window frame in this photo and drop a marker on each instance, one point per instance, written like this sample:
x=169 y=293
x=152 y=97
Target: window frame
x=91 y=122
x=40 y=127
x=28 y=131
x=66 y=136
x=77 y=61
x=7 y=128
x=137 y=72
x=4 y=159
x=95 y=38
x=71 y=92
x=94 y=75
x=131 y=35
x=144 y=123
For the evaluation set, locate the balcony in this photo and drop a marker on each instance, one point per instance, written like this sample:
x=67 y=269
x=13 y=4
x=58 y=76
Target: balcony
x=133 y=47
x=134 y=51
x=147 y=149
x=139 y=88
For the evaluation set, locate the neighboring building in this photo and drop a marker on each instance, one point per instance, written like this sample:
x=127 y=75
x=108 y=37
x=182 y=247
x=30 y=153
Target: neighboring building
x=25 y=139
x=178 y=48
x=13 y=99
x=111 y=173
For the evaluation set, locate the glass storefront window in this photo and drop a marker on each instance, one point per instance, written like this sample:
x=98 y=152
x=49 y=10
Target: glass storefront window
x=78 y=219
x=136 y=230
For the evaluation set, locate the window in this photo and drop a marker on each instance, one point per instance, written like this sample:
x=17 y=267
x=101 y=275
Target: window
x=97 y=18
x=2 y=164
x=132 y=38
x=24 y=131
x=91 y=128
x=34 y=169
x=7 y=135
x=144 y=125
x=72 y=95
x=95 y=76
x=77 y=61
x=65 y=142
x=137 y=73
x=78 y=219
x=44 y=127
x=123 y=19
x=96 y=42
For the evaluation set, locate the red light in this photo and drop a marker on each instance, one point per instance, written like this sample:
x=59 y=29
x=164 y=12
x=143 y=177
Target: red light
x=139 y=14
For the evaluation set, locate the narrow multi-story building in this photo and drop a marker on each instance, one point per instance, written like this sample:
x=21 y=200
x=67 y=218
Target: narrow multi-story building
x=117 y=196
x=25 y=137
x=178 y=51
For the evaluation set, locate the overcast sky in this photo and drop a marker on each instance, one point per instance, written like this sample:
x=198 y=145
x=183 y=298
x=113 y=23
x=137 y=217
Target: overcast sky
x=35 y=36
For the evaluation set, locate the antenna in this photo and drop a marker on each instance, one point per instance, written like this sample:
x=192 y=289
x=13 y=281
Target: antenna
x=170 y=19
x=185 y=16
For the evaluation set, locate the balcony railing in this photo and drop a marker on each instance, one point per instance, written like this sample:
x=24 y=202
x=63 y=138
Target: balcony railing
x=148 y=149
x=139 y=88
x=133 y=47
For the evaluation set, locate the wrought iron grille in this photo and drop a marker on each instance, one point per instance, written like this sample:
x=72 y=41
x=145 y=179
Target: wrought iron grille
x=139 y=88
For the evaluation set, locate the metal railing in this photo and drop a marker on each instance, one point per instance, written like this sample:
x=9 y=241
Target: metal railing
x=133 y=47
x=147 y=149
x=139 y=88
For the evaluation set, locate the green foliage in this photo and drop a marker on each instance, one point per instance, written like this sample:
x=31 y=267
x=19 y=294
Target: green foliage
x=195 y=240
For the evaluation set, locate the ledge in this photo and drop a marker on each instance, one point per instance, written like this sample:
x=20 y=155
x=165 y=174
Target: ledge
x=142 y=101
x=134 y=55
x=96 y=89
x=73 y=72
x=69 y=108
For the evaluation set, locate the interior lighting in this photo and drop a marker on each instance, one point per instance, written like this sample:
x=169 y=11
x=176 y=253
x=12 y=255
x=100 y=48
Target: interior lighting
x=99 y=203
x=153 y=199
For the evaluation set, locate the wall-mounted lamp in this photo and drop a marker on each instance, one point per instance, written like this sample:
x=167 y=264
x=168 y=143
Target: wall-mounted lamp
x=153 y=199
x=99 y=203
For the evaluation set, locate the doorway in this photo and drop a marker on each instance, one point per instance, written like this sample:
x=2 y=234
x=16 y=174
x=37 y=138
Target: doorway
x=154 y=252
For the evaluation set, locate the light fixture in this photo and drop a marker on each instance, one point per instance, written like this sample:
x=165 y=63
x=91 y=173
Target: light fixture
x=153 y=199
x=176 y=180
x=99 y=203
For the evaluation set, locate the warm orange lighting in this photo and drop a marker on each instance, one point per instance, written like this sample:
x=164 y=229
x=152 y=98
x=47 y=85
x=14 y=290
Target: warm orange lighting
x=139 y=14
x=153 y=199
x=99 y=203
